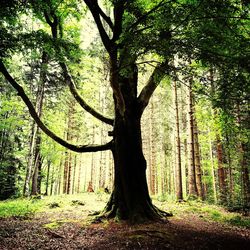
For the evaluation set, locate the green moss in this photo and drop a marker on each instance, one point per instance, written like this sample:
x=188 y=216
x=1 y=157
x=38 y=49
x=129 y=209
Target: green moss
x=18 y=208
x=239 y=221
x=53 y=225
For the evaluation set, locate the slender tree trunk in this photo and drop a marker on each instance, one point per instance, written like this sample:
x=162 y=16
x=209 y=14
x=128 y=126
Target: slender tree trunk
x=179 y=190
x=231 y=180
x=68 y=154
x=152 y=152
x=212 y=169
x=35 y=142
x=219 y=149
x=92 y=171
x=198 y=171
x=69 y=173
x=26 y=189
x=36 y=177
x=192 y=173
x=66 y=172
x=60 y=173
x=74 y=176
x=48 y=177
x=79 y=175
x=244 y=159
x=245 y=174
x=221 y=170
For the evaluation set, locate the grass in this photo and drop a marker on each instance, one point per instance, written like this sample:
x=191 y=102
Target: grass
x=18 y=208
x=27 y=207
x=90 y=202
x=206 y=212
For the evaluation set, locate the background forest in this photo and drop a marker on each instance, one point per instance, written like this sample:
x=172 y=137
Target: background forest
x=195 y=130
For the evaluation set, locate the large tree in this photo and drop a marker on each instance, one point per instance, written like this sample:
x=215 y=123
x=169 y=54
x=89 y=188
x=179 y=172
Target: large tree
x=134 y=31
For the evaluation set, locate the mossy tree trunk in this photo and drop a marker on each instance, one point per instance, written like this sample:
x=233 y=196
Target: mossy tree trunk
x=130 y=197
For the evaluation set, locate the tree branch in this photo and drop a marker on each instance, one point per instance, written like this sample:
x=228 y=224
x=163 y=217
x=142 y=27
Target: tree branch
x=118 y=13
x=95 y=11
x=106 y=18
x=154 y=80
x=34 y=115
x=72 y=87
x=143 y=17
x=79 y=99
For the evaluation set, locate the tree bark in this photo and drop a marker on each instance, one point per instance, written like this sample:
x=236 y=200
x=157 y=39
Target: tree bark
x=212 y=168
x=192 y=174
x=37 y=160
x=47 y=178
x=221 y=170
x=130 y=198
x=245 y=175
x=244 y=157
x=179 y=190
x=198 y=171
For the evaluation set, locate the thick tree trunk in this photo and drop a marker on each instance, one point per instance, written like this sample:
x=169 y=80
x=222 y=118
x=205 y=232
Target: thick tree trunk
x=130 y=198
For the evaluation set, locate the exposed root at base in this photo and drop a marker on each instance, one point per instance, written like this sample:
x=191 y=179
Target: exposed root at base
x=137 y=217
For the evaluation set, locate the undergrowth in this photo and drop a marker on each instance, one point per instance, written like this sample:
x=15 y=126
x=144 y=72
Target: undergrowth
x=27 y=207
x=205 y=211
x=91 y=202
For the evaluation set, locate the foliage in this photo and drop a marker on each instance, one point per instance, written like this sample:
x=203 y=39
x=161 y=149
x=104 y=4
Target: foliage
x=11 y=144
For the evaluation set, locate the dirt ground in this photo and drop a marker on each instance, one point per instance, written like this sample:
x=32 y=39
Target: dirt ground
x=70 y=230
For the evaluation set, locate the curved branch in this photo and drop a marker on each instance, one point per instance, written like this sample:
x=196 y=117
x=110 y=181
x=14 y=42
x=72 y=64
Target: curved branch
x=79 y=99
x=33 y=113
x=71 y=84
x=106 y=18
x=154 y=80
x=95 y=11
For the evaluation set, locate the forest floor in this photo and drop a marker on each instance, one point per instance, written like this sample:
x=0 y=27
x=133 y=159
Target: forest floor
x=66 y=224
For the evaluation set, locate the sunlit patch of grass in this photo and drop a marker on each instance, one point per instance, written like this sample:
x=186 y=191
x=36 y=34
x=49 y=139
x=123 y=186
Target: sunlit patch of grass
x=82 y=205
x=52 y=225
x=237 y=220
x=205 y=211
x=26 y=207
x=18 y=208
x=58 y=223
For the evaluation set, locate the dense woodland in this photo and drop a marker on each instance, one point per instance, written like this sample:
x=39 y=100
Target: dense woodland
x=96 y=94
